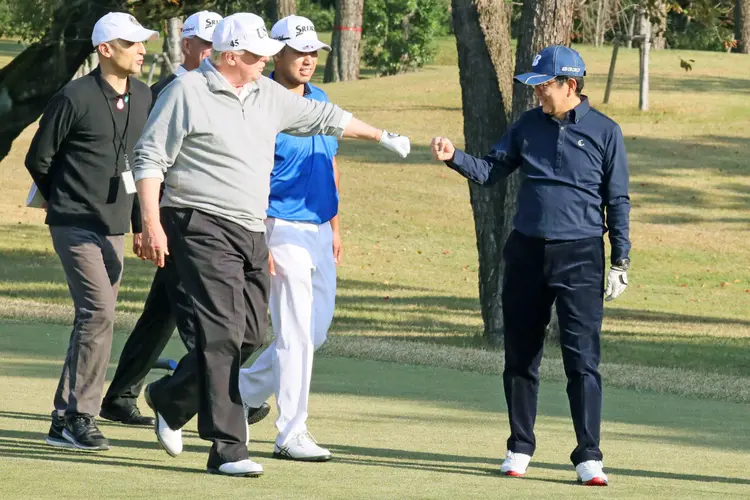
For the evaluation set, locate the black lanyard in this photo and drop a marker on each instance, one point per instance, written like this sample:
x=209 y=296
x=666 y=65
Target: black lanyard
x=122 y=147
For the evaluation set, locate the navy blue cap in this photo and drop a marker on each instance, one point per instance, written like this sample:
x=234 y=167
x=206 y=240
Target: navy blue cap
x=552 y=61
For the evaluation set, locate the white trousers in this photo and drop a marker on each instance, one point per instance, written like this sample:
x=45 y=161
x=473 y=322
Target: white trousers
x=303 y=294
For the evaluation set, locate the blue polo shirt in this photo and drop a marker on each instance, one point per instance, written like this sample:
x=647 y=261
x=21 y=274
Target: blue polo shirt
x=303 y=188
x=574 y=176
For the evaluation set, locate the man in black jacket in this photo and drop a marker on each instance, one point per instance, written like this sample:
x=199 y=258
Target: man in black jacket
x=80 y=162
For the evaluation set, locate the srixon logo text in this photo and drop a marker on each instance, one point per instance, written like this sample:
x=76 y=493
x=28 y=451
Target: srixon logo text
x=305 y=28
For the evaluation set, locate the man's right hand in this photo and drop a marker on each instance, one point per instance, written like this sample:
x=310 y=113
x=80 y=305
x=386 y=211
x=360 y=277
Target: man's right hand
x=154 y=245
x=442 y=149
x=399 y=144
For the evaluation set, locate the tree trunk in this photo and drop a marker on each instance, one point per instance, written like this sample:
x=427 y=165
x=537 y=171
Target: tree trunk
x=631 y=29
x=645 y=38
x=482 y=30
x=343 y=61
x=599 y=31
x=658 y=41
x=611 y=74
x=742 y=26
x=171 y=47
x=543 y=23
x=37 y=73
x=282 y=9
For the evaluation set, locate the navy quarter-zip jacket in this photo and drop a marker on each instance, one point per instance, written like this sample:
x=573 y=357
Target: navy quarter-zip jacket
x=574 y=175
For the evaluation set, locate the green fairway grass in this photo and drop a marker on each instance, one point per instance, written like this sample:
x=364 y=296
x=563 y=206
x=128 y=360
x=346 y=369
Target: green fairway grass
x=396 y=431
x=406 y=393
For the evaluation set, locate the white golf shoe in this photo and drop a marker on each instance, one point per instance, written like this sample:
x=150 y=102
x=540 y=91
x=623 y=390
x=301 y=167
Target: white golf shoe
x=591 y=473
x=240 y=468
x=302 y=447
x=515 y=464
x=169 y=439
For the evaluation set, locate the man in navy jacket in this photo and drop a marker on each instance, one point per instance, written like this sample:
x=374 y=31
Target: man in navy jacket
x=574 y=188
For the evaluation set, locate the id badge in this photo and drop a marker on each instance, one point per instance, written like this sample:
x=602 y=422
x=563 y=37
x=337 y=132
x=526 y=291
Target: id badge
x=129 y=182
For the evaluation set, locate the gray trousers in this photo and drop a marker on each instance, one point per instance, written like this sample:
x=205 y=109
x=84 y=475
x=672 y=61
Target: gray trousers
x=93 y=267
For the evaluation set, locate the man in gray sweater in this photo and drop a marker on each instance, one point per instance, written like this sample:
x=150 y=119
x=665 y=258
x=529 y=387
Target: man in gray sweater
x=211 y=138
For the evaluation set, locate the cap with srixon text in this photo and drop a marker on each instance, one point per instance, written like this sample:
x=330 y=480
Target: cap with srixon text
x=299 y=33
x=201 y=24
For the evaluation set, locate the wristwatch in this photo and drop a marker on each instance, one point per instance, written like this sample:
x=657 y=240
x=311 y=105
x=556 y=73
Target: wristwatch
x=623 y=264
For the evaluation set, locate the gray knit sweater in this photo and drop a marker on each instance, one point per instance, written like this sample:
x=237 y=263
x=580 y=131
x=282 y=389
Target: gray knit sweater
x=215 y=151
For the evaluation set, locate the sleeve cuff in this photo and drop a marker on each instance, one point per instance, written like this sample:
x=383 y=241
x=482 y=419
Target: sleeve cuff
x=458 y=159
x=346 y=117
x=149 y=173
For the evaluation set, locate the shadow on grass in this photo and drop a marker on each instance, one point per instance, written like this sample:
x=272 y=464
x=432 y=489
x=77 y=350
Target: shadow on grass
x=652 y=474
x=372 y=152
x=36 y=439
x=702 y=353
x=618 y=313
x=677 y=84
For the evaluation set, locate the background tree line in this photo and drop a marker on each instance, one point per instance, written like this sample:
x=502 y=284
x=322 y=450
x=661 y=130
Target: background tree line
x=392 y=36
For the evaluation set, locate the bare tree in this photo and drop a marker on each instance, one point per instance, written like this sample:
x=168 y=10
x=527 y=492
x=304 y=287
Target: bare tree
x=645 y=45
x=171 y=47
x=343 y=61
x=658 y=24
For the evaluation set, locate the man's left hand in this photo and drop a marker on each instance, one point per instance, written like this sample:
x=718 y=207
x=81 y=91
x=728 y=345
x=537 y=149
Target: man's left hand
x=338 y=248
x=617 y=282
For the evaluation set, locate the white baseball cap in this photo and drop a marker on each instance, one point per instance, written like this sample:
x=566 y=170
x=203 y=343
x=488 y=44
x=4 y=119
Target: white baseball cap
x=201 y=24
x=244 y=31
x=119 y=25
x=299 y=33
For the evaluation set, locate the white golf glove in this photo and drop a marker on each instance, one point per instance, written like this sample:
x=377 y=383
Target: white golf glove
x=396 y=143
x=617 y=282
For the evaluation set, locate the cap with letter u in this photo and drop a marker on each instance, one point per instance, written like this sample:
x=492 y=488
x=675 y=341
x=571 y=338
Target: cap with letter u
x=552 y=61
x=244 y=31
x=201 y=24
x=120 y=26
x=299 y=33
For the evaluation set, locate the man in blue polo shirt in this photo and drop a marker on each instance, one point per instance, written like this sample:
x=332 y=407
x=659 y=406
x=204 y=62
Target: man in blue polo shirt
x=304 y=244
x=574 y=189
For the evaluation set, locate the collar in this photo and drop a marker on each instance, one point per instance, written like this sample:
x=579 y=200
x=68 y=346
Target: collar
x=305 y=92
x=577 y=113
x=108 y=90
x=218 y=83
x=180 y=70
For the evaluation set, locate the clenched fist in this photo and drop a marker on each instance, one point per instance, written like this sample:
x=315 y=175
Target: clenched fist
x=442 y=149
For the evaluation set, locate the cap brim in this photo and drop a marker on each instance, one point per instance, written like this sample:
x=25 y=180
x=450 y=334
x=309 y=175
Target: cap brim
x=140 y=35
x=534 y=78
x=307 y=45
x=265 y=47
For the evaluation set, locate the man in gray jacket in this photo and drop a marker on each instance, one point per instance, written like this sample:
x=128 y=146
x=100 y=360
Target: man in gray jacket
x=211 y=138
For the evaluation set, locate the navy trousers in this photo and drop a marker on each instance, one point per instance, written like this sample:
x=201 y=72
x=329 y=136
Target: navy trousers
x=537 y=273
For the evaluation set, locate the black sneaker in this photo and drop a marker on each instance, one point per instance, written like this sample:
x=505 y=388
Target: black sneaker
x=82 y=432
x=55 y=436
x=128 y=416
x=255 y=415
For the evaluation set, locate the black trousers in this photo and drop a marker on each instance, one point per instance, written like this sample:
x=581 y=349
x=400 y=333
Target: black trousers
x=537 y=273
x=224 y=269
x=151 y=334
